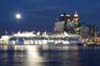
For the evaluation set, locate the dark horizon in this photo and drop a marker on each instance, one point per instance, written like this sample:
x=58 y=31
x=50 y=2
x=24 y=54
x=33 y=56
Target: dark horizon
x=40 y=15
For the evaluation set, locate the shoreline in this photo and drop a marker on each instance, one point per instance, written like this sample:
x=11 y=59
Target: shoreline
x=23 y=48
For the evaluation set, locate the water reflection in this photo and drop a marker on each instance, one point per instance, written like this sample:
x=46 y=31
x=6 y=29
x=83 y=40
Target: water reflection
x=11 y=58
x=61 y=58
x=89 y=56
x=85 y=56
x=33 y=56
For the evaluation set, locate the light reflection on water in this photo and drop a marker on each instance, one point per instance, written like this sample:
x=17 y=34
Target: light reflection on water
x=82 y=57
x=33 y=57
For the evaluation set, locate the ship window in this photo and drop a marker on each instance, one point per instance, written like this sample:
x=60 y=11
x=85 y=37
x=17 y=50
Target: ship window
x=73 y=39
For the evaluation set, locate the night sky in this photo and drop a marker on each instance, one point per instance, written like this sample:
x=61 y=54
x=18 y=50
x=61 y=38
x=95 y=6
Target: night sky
x=40 y=15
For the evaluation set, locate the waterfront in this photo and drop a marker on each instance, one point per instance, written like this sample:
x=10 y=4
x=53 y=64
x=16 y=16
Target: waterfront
x=85 y=56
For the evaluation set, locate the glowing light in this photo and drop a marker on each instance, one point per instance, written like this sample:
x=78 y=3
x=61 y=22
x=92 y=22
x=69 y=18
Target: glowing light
x=18 y=16
x=33 y=55
x=61 y=15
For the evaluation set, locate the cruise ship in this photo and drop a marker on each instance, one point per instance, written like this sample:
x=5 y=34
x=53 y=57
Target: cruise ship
x=31 y=38
x=61 y=41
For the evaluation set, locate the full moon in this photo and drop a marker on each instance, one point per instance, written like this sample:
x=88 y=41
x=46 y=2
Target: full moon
x=18 y=16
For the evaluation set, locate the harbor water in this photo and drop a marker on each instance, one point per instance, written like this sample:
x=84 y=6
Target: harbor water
x=84 y=56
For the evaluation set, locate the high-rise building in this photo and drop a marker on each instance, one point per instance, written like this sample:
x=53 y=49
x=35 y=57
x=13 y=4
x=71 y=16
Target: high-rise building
x=70 y=27
x=59 y=26
x=76 y=19
x=62 y=17
x=66 y=24
x=93 y=30
x=84 y=31
x=68 y=18
x=67 y=21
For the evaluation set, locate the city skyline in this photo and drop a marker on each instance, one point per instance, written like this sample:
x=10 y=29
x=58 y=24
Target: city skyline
x=40 y=15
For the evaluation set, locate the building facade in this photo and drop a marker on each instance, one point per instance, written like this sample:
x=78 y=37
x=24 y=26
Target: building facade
x=59 y=26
